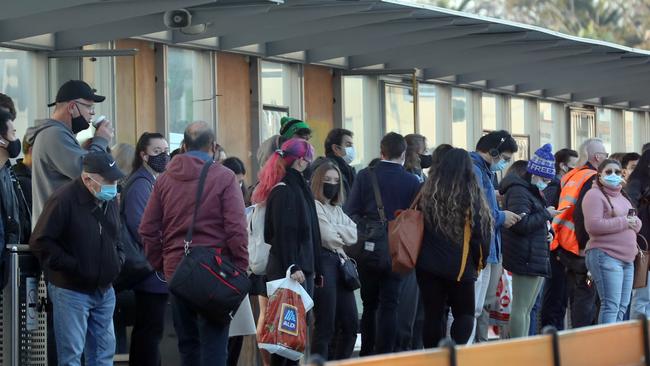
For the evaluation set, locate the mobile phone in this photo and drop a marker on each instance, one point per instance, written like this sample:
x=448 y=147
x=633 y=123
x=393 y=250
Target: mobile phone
x=98 y=121
x=564 y=208
x=631 y=213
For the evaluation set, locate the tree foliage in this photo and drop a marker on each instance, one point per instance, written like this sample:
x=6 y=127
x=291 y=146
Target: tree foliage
x=619 y=21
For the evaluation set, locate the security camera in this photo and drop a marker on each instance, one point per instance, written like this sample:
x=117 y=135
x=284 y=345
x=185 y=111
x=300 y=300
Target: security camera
x=177 y=19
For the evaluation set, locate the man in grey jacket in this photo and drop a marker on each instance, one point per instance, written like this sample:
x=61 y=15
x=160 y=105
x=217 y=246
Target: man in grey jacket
x=57 y=156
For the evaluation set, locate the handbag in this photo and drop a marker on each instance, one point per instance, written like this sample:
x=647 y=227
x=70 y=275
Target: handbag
x=405 y=235
x=349 y=273
x=205 y=279
x=136 y=267
x=371 y=249
x=641 y=264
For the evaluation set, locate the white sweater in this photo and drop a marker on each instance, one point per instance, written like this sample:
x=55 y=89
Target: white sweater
x=336 y=228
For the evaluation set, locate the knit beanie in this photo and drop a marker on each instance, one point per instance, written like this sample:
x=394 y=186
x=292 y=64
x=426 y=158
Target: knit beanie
x=542 y=163
x=289 y=126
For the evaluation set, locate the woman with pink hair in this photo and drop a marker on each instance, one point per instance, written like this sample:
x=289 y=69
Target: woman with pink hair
x=291 y=222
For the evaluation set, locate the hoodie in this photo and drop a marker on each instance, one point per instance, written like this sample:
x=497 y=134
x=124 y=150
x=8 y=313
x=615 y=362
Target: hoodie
x=220 y=222
x=57 y=159
x=485 y=180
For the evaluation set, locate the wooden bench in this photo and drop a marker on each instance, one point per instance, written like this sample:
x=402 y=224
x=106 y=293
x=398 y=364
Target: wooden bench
x=436 y=357
x=533 y=351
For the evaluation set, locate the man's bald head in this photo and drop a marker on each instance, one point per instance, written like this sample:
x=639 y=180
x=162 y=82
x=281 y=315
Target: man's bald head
x=199 y=136
x=593 y=151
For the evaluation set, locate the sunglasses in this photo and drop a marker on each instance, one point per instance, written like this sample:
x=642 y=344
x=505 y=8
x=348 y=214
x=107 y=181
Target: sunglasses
x=612 y=171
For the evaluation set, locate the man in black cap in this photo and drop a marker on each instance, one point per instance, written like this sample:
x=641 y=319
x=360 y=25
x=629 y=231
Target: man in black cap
x=56 y=152
x=77 y=242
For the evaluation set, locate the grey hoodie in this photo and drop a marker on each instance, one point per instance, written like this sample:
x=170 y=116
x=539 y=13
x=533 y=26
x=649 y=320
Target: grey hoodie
x=56 y=159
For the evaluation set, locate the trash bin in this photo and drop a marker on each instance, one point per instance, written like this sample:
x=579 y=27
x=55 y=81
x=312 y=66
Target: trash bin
x=23 y=318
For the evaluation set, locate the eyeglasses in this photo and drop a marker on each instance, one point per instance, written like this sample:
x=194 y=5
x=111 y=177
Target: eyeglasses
x=506 y=158
x=90 y=107
x=612 y=171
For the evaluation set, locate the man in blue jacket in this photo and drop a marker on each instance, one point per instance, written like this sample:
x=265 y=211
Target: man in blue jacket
x=493 y=153
x=380 y=288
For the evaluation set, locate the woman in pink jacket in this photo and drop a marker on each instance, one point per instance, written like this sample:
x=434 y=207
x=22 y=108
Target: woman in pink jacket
x=612 y=241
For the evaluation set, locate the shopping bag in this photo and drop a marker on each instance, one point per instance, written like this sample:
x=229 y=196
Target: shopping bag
x=500 y=310
x=285 y=328
x=243 y=323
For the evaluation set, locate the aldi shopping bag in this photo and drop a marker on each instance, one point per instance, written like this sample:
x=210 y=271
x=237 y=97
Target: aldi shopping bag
x=500 y=311
x=285 y=327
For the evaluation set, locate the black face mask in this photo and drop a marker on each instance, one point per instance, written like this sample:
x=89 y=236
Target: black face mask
x=158 y=162
x=79 y=123
x=13 y=148
x=330 y=190
x=426 y=161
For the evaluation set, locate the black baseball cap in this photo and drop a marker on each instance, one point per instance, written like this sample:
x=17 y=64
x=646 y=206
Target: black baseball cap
x=75 y=89
x=102 y=163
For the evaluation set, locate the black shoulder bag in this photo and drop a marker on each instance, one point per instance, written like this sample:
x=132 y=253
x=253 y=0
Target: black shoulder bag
x=205 y=279
x=371 y=249
x=136 y=267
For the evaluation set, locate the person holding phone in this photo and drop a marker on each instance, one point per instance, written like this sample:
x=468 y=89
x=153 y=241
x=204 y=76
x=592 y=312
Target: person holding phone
x=526 y=244
x=612 y=226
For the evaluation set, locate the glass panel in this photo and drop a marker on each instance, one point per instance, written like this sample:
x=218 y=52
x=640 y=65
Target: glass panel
x=427 y=111
x=546 y=123
x=517 y=116
x=275 y=84
x=582 y=127
x=604 y=127
x=270 y=124
x=23 y=78
x=353 y=112
x=459 y=109
x=399 y=109
x=629 y=131
x=489 y=112
x=189 y=90
x=98 y=73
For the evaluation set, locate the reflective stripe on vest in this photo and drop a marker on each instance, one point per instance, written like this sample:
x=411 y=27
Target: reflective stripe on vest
x=564 y=224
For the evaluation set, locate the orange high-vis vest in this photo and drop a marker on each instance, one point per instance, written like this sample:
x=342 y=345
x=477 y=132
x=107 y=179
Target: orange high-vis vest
x=563 y=224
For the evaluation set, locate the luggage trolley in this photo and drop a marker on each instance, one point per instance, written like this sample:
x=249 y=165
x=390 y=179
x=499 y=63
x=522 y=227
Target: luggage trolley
x=23 y=319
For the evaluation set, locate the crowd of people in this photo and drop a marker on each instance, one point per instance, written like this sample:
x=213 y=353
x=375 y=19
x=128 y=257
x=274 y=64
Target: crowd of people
x=567 y=226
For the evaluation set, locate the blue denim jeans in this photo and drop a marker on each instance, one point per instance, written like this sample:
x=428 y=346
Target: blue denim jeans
x=200 y=342
x=83 y=324
x=613 y=279
x=641 y=302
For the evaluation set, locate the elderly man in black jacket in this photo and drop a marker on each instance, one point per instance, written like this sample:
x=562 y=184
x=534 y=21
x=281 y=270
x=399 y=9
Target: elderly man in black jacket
x=76 y=241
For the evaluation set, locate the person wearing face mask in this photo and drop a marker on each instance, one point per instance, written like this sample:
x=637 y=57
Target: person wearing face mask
x=571 y=236
x=526 y=243
x=380 y=286
x=220 y=223
x=493 y=152
x=291 y=222
x=554 y=301
x=150 y=160
x=416 y=159
x=76 y=240
x=336 y=315
x=57 y=155
x=339 y=148
x=10 y=230
x=612 y=244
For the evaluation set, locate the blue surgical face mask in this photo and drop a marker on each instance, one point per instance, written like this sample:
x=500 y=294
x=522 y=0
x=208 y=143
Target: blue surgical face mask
x=541 y=185
x=350 y=154
x=499 y=166
x=107 y=191
x=612 y=180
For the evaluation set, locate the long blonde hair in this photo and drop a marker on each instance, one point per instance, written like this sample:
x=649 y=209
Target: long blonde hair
x=451 y=192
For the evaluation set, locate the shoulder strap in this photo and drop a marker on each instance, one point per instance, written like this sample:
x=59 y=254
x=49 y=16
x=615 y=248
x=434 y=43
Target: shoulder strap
x=125 y=189
x=378 y=200
x=199 y=193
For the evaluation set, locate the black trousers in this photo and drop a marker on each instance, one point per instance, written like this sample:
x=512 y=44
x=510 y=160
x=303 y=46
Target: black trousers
x=555 y=295
x=583 y=299
x=335 y=311
x=436 y=292
x=410 y=316
x=148 y=329
x=380 y=292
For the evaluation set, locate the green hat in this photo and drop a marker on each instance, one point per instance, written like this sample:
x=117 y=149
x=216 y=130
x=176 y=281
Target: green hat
x=289 y=126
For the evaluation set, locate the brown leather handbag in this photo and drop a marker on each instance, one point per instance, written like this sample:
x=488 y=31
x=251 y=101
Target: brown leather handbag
x=405 y=235
x=641 y=264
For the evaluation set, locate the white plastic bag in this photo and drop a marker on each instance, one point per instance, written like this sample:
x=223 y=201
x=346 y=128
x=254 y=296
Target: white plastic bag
x=243 y=322
x=285 y=327
x=500 y=311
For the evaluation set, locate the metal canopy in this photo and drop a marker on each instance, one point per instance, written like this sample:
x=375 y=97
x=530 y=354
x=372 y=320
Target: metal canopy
x=358 y=35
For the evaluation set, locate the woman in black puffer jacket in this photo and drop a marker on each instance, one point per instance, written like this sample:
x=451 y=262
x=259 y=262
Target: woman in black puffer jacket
x=526 y=244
